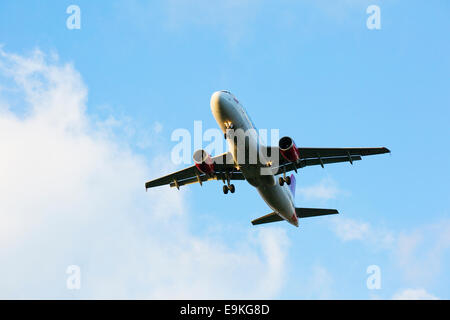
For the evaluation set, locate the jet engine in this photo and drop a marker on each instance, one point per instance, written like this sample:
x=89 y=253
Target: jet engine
x=288 y=149
x=203 y=161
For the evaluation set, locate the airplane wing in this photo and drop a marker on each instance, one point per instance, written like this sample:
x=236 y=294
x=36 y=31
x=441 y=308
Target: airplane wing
x=339 y=152
x=322 y=156
x=224 y=169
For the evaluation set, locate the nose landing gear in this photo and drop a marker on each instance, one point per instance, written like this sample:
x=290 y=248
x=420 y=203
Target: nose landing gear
x=228 y=126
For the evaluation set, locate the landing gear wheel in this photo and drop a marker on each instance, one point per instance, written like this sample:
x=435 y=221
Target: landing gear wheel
x=288 y=180
x=225 y=189
x=281 y=181
x=231 y=188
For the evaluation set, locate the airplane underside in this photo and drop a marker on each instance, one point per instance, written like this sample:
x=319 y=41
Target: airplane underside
x=263 y=167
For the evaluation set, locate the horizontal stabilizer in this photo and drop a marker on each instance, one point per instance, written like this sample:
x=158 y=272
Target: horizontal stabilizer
x=271 y=217
x=313 y=212
x=300 y=212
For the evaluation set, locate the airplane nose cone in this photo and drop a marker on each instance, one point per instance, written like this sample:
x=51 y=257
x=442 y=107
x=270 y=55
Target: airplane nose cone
x=215 y=101
x=219 y=104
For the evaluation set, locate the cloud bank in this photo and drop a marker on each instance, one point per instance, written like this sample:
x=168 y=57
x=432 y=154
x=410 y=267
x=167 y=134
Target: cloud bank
x=414 y=294
x=71 y=194
x=326 y=189
x=419 y=255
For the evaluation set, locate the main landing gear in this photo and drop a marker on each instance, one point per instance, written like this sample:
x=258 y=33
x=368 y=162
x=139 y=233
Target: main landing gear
x=227 y=188
x=284 y=178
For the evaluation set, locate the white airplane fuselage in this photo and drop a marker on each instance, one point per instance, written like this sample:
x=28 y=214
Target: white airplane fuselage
x=226 y=109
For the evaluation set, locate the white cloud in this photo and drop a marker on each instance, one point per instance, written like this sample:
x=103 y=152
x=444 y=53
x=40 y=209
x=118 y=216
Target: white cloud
x=72 y=194
x=326 y=189
x=414 y=294
x=319 y=284
x=157 y=127
x=419 y=254
x=349 y=229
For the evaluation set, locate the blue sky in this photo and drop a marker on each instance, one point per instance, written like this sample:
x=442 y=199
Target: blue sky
x=137 y=71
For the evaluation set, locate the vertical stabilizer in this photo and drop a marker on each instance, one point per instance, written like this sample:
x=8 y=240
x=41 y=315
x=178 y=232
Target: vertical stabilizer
x=292 y=186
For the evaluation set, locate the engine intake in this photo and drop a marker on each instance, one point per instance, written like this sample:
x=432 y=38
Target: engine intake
x=203 y=161
x=288 y=149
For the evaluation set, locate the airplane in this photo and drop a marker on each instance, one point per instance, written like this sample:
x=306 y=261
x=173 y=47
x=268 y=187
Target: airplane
x=273 y=185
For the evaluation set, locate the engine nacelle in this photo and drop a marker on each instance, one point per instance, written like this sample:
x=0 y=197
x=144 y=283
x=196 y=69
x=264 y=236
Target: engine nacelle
x=288 y=149
x=203 y=161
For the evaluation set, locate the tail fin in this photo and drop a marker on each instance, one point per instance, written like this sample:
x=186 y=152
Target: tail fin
x=292 y=186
